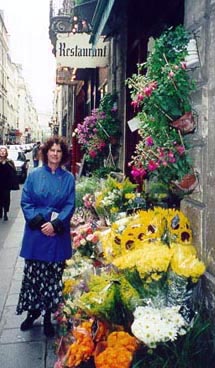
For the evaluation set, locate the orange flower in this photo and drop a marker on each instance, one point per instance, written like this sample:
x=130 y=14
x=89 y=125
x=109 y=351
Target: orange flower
x=83 y=346
x=118 y=352
x=114 y=358
x=122 y=339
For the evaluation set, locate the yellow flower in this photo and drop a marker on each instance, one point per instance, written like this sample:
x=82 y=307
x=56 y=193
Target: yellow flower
x=110 y=242
x=119 y=185
x=148 y=258
x=68 y=286
x=114 y=209
x=129 y=195
x=185 y=262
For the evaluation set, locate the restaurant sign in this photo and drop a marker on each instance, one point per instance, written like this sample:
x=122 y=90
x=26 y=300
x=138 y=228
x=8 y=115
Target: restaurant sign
x=75 y=51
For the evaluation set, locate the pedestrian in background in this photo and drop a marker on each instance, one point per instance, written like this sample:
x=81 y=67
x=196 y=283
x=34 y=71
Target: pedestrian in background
x=48 y=203
x=36 y=154
x=8 y=182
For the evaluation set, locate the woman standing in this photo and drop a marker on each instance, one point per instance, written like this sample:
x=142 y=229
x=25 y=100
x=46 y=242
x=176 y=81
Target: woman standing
x=8 y=182
x=48 y=203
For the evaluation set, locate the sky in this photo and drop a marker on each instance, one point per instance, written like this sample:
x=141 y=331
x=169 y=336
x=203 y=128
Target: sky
x=27 y=23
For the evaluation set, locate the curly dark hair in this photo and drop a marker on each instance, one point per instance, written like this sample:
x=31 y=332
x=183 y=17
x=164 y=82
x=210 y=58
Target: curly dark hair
x=49 y=143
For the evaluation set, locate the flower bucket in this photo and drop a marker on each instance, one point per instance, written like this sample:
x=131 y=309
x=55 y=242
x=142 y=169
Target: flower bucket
x=186 y=123
x=187 y=184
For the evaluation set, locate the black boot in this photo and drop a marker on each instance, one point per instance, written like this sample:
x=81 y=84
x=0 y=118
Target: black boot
x=5 y=216
x=48 y=328
x=27 y=324
x=1 y=212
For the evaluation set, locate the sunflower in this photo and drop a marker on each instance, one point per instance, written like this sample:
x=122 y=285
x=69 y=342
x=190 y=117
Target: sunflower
x=178 y=226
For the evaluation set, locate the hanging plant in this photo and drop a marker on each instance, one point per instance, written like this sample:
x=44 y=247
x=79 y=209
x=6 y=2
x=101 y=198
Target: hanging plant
x=161 y=96
x=97 y=132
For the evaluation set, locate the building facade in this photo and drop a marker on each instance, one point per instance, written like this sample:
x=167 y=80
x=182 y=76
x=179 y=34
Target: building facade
x=129 y=26
x=18 y=116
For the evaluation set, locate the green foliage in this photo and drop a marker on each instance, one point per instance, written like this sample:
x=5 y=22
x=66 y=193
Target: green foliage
x=103 y=172
x=172 y=44
x=110 y=123
x=85 y=185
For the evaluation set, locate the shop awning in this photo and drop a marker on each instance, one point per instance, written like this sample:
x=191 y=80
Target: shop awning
x=100 y=17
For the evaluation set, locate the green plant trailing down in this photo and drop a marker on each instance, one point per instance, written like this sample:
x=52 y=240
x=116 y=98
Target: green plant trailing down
x=161 y=93
x=110 y=124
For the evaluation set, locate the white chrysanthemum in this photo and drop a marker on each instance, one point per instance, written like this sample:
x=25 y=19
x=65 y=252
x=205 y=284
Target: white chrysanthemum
x=153 y=326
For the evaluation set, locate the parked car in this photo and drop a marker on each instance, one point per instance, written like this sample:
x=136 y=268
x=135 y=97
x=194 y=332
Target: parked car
x=21 y=163
x=17 y=147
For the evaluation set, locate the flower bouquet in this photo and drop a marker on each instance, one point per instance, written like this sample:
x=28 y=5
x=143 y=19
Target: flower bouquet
x=85 y=239
x=116 y=198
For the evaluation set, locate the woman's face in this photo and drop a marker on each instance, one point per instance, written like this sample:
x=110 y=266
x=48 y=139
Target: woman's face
x=54 y=155
x=3 y=153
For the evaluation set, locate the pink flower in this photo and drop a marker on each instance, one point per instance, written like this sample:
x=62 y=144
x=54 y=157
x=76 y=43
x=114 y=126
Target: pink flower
x=58 y=364
x=93 y=238
x=183 y=65
x=170 y=154
x=138 y=172
x=147 y=91
x=149 y=141
x=164 y=163
x=153 y=85
x=180 y=149
x=92 y=154
x=88 y=200
x=140 y=97
x=160 y=152
x=135 y=104
x=152 y=165
x=171 y=74
x=171 y=157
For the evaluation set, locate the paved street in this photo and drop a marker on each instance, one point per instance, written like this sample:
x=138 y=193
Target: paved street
x=30 y=349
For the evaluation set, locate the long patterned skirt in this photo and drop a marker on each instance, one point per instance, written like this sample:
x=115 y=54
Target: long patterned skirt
x=41 y=287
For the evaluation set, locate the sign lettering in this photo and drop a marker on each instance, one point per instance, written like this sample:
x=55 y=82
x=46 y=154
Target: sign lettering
x=75 y=51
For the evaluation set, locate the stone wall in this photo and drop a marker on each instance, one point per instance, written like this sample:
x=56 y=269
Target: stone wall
x=200 y=206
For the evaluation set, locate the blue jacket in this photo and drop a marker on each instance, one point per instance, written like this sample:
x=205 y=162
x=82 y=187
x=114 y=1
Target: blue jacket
x=44 y=193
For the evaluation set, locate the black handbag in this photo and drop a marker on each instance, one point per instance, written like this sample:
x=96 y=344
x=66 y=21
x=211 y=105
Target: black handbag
x=14 y=181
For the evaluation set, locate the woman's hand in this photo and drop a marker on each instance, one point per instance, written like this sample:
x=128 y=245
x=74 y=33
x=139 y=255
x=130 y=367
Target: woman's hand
x=47 y=229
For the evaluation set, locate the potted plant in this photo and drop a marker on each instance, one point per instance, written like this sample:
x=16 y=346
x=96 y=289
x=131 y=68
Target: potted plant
x=161 y=96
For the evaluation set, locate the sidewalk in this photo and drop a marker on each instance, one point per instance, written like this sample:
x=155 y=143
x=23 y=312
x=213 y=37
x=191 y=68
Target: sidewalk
x=30 y=349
